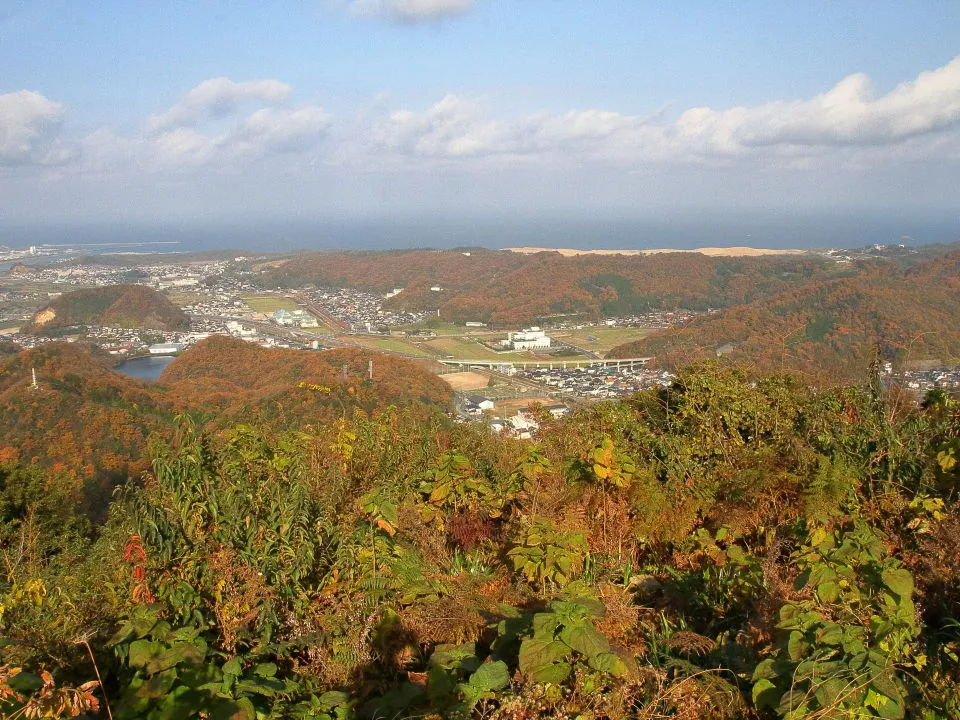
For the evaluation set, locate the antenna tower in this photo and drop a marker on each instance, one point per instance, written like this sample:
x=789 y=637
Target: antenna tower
x=33 y=385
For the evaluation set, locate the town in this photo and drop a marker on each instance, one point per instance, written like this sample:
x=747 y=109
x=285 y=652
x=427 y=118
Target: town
x=558 y=368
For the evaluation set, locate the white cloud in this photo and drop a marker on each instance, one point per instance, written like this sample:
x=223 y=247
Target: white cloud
x=30 y=128
x=913 y=116
x=207 y=129
x=411 y=10
x=846 y=115
x=275 y=130
x=263 y=133
x=217 y=98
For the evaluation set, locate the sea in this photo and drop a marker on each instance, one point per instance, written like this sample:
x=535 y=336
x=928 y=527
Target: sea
x=774 y=230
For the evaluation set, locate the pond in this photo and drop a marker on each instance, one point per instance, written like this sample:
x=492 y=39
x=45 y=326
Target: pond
x=145 y=368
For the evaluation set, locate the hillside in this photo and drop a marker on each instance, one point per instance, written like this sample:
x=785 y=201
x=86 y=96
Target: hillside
x=229 y=379
x=828 y=330
x=91 y=423
x=511 y=288
x=729 y=548
x=86 y=421
x=126 y=306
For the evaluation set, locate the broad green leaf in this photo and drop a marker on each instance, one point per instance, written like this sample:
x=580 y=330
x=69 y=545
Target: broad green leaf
x=545 y=625
x=797 y=646
x=585 y=639
x=241 y=709
x=141 y=651
x=899 y=580
x=609 y=662
x=536 y=653
x=764 y=670
x=333 y=698
x=828 y=591
x=765 y=694
x=491 y=676
x=551 y=673
x=829 y=691
x=267 y=670
x=831 y=635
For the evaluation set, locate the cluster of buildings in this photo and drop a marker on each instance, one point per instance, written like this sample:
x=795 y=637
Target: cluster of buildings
x=294 y=318
x=598 y=381
x=660 y=319
x=922 y=381
x=529 y=339
x=521 y=424
x=362 y=311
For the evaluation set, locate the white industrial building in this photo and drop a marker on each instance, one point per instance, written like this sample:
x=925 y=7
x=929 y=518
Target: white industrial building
x=530 y=339
x=165 y=348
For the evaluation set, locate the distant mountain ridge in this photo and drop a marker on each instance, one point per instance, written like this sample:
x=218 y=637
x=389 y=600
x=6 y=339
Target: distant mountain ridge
x=503 y=287
x=125 y=306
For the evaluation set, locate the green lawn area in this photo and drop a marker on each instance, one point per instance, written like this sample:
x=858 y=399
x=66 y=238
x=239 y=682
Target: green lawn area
x=390 y=345
x=270 y=303
x=602 y=339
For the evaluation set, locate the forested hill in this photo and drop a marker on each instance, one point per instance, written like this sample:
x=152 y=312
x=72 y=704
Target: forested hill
x=232 y=380
x=85 y=423
x=505 y=287
x=92 y=424
x=828 y=330
x=125 y=306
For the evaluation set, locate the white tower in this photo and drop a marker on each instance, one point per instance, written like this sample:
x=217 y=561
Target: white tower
x=33 y=385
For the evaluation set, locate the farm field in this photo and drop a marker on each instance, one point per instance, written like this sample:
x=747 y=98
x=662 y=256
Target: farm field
x=602 y=339
x=465 y=380
x=515 y=405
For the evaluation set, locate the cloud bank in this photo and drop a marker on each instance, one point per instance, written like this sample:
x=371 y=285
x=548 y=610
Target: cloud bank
x=253 y=130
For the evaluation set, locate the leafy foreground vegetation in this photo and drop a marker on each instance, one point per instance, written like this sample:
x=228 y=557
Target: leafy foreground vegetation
x=722 y=549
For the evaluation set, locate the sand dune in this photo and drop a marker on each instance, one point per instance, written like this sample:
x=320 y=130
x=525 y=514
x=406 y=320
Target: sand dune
x=712 y=251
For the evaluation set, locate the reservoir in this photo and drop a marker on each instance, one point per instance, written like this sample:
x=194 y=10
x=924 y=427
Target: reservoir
x=145 y=368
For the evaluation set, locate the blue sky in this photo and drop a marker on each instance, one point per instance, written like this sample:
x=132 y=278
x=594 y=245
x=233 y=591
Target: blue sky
x=181 y=111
